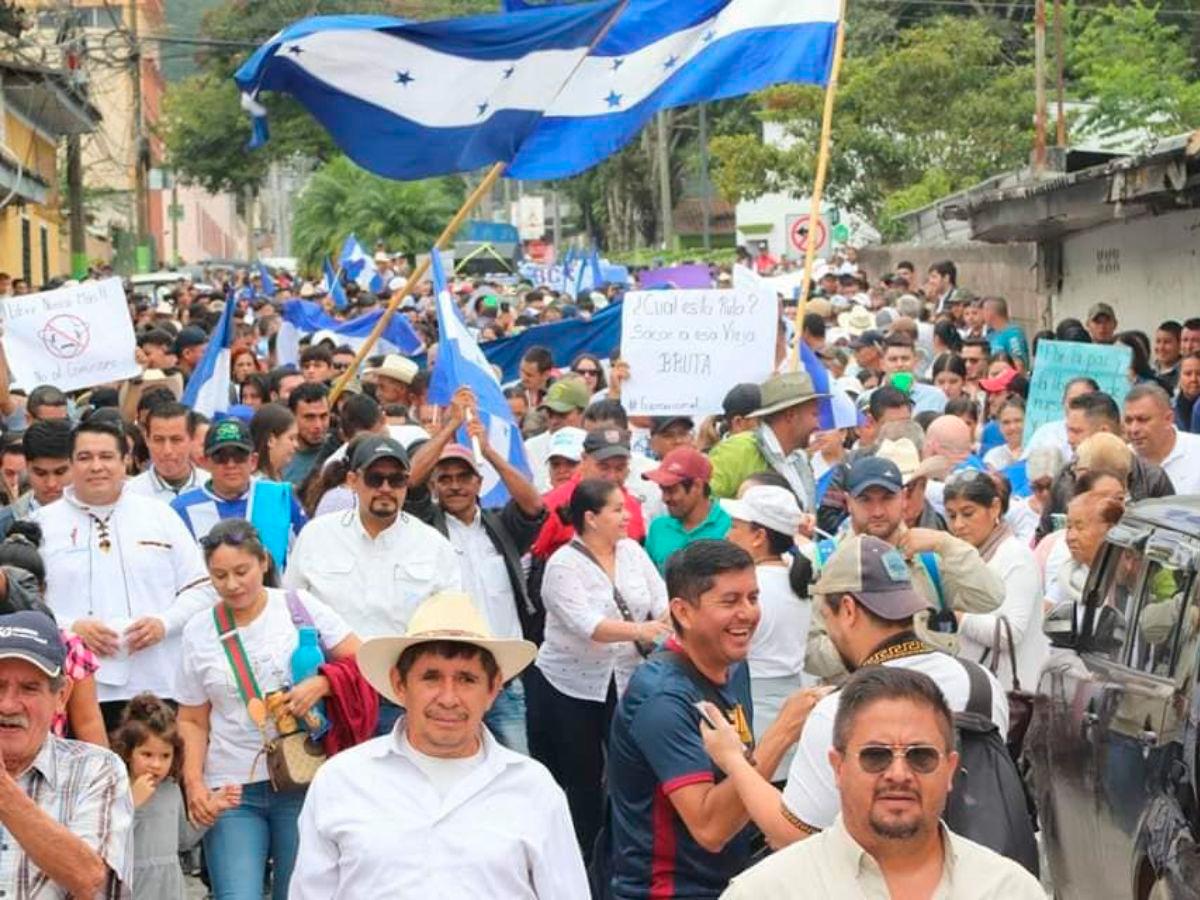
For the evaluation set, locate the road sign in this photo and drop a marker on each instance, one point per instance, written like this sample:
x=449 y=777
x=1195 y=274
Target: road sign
x=841 y=233
x=799 y=231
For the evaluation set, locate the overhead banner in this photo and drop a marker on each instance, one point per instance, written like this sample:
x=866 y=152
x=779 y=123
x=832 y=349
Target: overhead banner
x=1058 y=362
x=73 y=338
x=685 y=348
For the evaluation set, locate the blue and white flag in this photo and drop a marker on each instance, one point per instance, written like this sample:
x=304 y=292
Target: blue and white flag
x=267 y=286
x=461 y=363
x=359 y=266
x=301 y=317
x=411 y=100
x=414 y=99
x=207 y=389
x=332 y=285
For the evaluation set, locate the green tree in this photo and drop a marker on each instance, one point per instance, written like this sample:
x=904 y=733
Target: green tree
x=1133 y=69
x=943 y=104
x=341 y=198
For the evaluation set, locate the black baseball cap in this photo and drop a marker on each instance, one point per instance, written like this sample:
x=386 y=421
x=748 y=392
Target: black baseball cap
x=659 y=424
x=191 y=336
x=605 y=443
x=229 y=432
x=869 y=338
x=742 y=400
x=377 y=447
x=874 y=471
x=33 y=636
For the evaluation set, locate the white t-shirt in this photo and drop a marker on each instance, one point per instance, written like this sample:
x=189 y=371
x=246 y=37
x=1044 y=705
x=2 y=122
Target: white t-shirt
x=233 y=739
x=811 y=793
x=777 y=649
x=443 y=773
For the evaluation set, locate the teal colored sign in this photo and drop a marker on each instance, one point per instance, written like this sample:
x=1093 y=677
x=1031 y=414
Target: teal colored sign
x=1057 y=362
x=841 y=233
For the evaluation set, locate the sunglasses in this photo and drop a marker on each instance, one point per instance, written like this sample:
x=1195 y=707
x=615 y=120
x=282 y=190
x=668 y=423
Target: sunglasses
x=231 y=538
x=586 y=372
x=395 y=480
x=221 y=457
x=921 y=758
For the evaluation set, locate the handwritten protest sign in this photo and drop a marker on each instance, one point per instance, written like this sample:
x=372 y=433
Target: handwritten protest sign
x=686 y=349
x=1058 y=362
x=72 y=338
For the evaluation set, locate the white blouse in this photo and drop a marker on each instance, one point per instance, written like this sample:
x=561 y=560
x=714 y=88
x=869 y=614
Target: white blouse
x=578 y=597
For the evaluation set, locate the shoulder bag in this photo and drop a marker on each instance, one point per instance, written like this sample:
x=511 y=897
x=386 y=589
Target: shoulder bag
x=1020 y=703
x=645 y=648
x=292 y=759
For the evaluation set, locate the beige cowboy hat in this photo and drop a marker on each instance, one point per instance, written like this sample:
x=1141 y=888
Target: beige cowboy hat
x=445 y=616
x=395 y=366
x=903 y=453
x=782 y=391
x=856 y=321
x=131 y=391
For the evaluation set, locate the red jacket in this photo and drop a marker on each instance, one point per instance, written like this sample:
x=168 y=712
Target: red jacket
x=555 y=532
x=352 y=706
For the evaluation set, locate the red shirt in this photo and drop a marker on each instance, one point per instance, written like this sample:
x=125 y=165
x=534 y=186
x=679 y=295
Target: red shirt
x=555 y=532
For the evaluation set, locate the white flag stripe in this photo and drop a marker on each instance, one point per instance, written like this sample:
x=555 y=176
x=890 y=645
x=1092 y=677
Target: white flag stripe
x=643 y=72
x=366 y=64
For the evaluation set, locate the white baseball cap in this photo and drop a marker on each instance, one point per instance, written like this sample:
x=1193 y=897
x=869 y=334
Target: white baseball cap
x=567 y=443
x=772 y=507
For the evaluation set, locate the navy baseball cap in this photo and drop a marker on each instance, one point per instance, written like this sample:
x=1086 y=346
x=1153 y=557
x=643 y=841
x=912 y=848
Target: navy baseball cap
x=874 y=471
x=33 y=636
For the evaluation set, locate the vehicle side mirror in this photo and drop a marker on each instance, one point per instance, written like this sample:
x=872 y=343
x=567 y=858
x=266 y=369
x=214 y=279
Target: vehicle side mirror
x=1061 y=625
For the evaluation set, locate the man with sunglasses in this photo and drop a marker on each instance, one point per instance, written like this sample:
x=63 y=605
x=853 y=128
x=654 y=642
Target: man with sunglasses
x=374 y=564
x=894 y=760
x=867 y=600
x=233 y=493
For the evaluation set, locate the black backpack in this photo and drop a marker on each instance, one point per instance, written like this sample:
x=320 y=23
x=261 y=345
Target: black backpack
x=989 y=803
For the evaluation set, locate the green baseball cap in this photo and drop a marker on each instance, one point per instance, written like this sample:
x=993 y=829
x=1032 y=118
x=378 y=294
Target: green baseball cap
x=228 y=433
x=567 y=395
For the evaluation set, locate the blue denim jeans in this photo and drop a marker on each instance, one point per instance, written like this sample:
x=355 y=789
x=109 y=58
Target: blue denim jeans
x=237 y=847
x=506 y=718
x=388 y=714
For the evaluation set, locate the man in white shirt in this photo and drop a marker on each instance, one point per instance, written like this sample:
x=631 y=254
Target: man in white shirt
x=170 y=433
x=564 y=405
x=122 y=572
x=47 y=447
x=478 y=820
x=866 y=597
x=1054 y=432
x=894 y=760
x=374 y=564
x=1150 y=430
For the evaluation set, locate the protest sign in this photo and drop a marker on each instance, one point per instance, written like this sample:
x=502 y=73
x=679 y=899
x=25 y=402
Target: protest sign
x=686 y=349
x=1058 y=362
x=73 y=338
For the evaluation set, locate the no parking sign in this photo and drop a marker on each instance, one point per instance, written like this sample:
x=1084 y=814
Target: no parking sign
x=800 y=230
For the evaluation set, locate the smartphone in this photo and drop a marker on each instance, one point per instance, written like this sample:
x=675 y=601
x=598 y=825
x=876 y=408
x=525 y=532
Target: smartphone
x=704 y=715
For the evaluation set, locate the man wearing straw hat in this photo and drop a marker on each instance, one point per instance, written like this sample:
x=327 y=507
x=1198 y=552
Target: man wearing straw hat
x=437 y=807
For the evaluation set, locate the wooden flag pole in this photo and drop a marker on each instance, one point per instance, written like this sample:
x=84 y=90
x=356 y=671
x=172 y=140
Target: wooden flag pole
x=414 y=279
x=814 y=217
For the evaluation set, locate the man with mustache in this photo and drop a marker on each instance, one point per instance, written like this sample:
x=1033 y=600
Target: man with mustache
x=65 y=809
x=374 y=564
x=866 y=597
x=894 y=759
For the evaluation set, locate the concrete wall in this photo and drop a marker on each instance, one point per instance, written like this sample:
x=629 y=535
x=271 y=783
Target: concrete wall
x=1147 y=268
x=210 y=227
x=1005 y=270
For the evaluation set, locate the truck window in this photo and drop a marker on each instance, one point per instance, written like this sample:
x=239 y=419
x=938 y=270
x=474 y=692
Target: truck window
x=1160 y=620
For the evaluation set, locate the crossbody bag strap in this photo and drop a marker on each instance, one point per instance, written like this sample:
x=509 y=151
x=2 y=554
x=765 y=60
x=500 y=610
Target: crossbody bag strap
x=930 y=563
x=979 y=700
x=235 y=653
x=622 y=606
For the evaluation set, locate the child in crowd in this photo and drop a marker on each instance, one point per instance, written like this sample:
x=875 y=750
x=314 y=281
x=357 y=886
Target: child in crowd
x=148 y=740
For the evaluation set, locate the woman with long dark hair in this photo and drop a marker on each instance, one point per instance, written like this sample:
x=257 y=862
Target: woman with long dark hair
x=273 y=430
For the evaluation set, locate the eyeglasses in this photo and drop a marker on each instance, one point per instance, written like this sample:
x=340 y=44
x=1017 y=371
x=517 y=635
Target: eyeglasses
x=395 y=480
x=921 y=758
x=967 y=476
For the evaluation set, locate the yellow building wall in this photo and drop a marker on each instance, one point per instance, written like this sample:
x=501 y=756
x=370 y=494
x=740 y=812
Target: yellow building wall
x=39 y=155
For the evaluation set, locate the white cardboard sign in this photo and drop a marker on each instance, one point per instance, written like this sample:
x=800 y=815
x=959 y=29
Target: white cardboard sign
x=686 y=349
x=73 y=338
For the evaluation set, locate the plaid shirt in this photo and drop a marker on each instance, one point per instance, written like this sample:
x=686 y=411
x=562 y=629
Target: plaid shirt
x=86 y=789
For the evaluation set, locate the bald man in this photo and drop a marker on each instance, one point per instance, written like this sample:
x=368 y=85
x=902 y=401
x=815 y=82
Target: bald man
x=949 y=440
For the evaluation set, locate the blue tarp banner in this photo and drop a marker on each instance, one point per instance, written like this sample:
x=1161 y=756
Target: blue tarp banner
x=565 y=340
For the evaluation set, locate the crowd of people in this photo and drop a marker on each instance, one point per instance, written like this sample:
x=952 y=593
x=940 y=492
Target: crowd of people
x=685 y=657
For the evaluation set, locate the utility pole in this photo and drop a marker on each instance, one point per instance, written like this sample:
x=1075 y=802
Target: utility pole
x=706 y=201
x=75 y=206
x=176 y=217
x=141 y=193
x=664 y=182
x=1039 y=68
x=1059 y=52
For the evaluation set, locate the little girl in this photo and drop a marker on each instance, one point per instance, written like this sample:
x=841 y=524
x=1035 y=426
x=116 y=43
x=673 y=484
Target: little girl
x=149 y=742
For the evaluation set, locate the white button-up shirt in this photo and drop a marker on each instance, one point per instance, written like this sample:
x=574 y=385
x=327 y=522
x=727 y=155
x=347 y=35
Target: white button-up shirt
x=374 y=825
x=484 y=575
x=1182 y=464
x=375 y=584
x=578 y=597
x=151 y=567
x=151 y=484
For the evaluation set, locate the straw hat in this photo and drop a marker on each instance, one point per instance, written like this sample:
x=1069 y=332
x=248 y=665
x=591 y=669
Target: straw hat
x=857 y=321
x=397 y=367
x=904 y=454
x=446 y=616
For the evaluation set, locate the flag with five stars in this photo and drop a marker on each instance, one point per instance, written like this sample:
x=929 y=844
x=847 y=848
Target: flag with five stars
x=550 y=90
